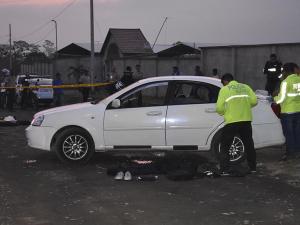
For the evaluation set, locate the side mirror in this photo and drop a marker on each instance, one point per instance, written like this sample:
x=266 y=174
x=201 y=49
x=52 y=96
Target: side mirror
x=116 y=103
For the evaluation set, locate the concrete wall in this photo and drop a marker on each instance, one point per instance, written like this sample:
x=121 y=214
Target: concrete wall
x=157 y=66
x=247 y=62
x=62 y=65
x=37 y=68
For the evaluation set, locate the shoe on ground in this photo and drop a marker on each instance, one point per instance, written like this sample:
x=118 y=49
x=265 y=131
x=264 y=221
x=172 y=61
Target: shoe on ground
x=119 y=176
x=253 y=171
x=224 y=174
x=127 y=176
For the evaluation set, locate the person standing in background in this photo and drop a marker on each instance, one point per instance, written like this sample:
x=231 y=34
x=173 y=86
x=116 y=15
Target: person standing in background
x=85 y=91
x=215 y=73
x=25 y=93
x=138 y=74
x=198 y=71
x=57 y=92
x=11 y=92
x=176 y=71
x=289 y=100
x=2 y=88
x=272 y=70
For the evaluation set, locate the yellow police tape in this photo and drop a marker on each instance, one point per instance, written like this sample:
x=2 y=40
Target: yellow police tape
x=65 y=86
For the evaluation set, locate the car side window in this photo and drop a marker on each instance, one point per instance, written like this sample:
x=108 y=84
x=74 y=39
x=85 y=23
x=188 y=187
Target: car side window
x=194 y=93
x=148 y=95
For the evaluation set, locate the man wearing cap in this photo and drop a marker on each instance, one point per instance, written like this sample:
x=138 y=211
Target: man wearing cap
x=235 y=101
x=289 y=100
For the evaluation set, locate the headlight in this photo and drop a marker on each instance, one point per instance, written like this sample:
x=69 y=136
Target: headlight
x=37 y=121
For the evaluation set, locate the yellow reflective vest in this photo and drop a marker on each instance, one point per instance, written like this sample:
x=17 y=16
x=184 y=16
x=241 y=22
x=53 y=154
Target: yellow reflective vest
x=235 y=101
x=289 y=95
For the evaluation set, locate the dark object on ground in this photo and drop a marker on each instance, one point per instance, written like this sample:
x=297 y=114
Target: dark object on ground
x=175 y=167
x=12 y=124
x=147 y=178
x=11 y=121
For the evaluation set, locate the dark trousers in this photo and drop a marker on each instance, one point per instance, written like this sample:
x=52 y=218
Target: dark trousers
x=2 y=100
x=291 y=130
x=11 y=99
x=85 y=94
x=244 y=131
x=272 y=85
x=57 y=99
x=25 y=98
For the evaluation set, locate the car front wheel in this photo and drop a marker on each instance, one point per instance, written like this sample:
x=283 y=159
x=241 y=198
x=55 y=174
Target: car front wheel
x=74 y=145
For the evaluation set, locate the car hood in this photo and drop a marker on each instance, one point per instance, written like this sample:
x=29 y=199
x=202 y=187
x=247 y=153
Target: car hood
x=67 y=108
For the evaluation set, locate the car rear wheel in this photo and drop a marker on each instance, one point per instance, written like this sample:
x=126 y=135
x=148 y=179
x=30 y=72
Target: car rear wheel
x=236 y=151
x=74 y=145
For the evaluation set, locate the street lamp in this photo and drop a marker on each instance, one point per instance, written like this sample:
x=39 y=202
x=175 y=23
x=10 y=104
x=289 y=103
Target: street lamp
x=55 y=34
x=92 y=42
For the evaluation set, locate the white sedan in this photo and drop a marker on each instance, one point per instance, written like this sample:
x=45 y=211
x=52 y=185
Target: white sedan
x=168 y=113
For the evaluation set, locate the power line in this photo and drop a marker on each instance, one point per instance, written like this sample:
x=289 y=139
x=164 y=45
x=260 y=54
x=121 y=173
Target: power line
x=34 y=31
x=4 y=36
x=48 y=22
x=64 y=9
x=44 y=38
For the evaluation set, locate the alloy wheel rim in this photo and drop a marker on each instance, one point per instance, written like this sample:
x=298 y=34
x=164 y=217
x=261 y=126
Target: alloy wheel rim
x=75 y=147
x=237 y=149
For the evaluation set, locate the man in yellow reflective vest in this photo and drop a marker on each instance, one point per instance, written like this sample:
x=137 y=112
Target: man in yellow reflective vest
x=235 y=101
x=289 y=100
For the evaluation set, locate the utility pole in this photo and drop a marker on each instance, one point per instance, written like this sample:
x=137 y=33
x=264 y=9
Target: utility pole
x=10 y=50
x=92 y=43
x=55 y=54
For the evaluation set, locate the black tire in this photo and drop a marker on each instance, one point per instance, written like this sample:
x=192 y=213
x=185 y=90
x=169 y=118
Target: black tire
x=237 y=153
x=74 y=146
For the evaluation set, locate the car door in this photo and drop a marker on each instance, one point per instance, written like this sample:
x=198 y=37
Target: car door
x=191 y=115
x=139 y=122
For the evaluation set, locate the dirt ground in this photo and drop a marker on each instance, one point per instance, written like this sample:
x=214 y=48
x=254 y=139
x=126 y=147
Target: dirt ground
x=36 y=188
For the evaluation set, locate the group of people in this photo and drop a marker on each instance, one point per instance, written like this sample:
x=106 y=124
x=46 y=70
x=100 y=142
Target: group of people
x=283 y=84
x=128 y=78
x=235 y=101
x=26 y=98
x=197 y=72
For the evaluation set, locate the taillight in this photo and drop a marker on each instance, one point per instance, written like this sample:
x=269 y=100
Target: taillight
x=276 y=109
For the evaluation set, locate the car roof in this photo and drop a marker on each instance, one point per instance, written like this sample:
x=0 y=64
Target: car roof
x=205 y=79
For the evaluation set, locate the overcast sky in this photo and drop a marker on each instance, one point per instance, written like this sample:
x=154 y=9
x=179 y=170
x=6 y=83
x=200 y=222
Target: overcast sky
x=201 y=21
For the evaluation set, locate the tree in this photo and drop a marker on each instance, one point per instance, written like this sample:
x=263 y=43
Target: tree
x=49 y=48
x=22 y=51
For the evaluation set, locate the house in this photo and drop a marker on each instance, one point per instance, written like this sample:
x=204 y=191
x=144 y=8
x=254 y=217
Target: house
x=129 y=47
x=74 y=59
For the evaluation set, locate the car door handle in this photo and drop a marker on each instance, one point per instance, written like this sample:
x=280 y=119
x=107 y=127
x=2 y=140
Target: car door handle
x=210 y=110
x=154 y=113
